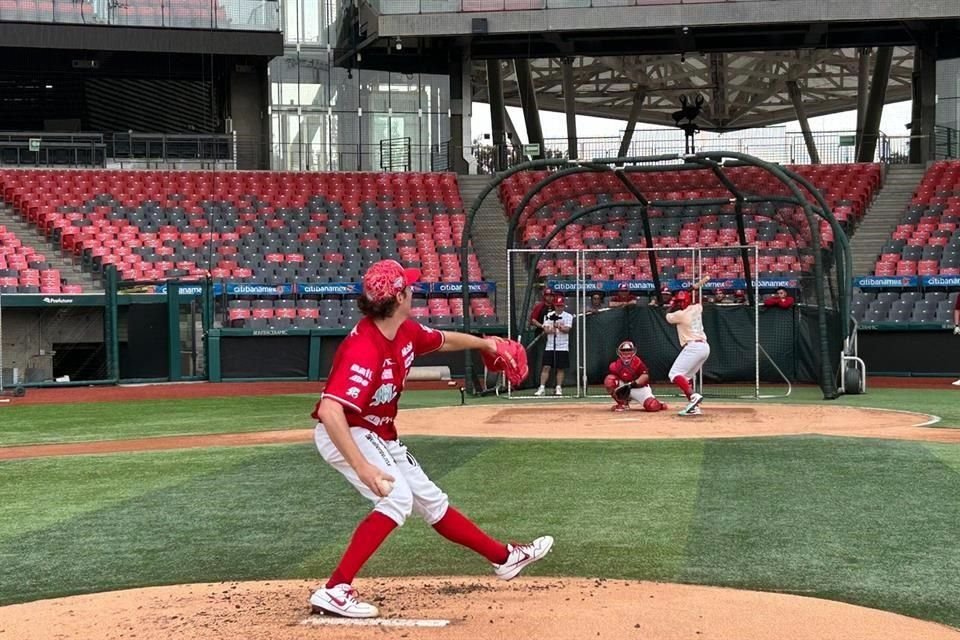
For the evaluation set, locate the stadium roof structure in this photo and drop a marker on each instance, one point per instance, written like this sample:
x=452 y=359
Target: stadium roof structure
x=740 y=89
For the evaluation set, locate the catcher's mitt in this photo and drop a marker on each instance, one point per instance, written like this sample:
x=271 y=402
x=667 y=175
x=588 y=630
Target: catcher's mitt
x=511 y=359
x=622 y=392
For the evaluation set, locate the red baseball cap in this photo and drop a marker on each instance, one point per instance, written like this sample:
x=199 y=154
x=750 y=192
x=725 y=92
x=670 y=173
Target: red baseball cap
x=385 y=279
x=558 y=300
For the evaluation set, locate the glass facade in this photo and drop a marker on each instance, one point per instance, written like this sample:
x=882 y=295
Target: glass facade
x=327 y=118
x=242 y=15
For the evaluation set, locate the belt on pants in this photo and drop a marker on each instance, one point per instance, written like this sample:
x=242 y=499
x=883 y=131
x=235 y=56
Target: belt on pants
x=692 y=341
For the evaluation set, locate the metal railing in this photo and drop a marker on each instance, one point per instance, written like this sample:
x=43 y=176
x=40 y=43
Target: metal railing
x=232 y=151
x=946 y=142
x=228 y=15
x=395 y=154
x=117 y=150
x=469 y=6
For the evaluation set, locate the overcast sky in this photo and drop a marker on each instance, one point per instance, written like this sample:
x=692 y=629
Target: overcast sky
x=895 y=116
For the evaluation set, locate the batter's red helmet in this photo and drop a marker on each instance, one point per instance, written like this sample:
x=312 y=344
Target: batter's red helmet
x=558 y=300
x=681 y=300
x=626 y=348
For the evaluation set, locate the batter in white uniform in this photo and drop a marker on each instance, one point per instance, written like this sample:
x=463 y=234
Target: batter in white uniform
x=694 y=349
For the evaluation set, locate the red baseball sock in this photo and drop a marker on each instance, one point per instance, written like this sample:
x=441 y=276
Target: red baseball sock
x=456 y=527
x=684 y=385
x=370 y=534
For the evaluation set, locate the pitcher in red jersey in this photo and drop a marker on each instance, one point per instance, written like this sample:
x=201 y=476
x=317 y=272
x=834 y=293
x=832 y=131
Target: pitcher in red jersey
x=357 y=436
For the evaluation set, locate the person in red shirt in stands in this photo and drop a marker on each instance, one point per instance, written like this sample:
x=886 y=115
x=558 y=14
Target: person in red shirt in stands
x=779 y=299
x=541 y=308
x=623 y=297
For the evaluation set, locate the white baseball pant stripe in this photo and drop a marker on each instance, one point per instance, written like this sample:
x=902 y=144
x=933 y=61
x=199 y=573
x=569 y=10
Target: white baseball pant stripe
x=413 y=491
x=690 y=361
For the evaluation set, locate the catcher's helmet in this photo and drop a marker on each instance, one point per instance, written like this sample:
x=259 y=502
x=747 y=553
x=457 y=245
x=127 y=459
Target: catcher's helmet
x=626 y=348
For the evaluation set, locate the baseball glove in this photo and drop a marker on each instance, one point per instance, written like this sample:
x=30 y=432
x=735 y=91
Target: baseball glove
x=622 y=392
x=511 y=359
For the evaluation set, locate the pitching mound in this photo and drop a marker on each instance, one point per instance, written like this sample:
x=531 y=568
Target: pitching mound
x=469 y=609
x=732 y=420
x=567 y=420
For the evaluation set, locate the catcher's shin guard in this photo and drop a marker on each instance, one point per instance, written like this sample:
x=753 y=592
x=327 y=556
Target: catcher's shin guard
x=652 y=405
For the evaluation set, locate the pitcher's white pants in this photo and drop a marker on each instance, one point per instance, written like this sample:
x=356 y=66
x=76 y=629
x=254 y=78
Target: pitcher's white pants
x=690 y=361
x=413 y=491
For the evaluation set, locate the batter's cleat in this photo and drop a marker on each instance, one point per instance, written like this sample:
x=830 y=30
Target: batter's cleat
x=956 y=383
x=342 y=600
x=558 y=391
x=695 y=401
x=521 y=555
x=541 y=391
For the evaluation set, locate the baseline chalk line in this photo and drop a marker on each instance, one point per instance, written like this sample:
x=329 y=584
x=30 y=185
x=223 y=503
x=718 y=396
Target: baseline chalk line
x=321 y=621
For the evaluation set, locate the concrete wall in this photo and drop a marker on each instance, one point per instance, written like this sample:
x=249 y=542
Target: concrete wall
x=29 y=336
x=248 y=109
x=668 y=14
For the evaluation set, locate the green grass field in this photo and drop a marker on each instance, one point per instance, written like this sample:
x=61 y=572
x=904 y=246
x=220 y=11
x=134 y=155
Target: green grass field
x=871 y=522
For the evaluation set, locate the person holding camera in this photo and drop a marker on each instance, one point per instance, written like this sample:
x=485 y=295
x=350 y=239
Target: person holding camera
x=556 y=325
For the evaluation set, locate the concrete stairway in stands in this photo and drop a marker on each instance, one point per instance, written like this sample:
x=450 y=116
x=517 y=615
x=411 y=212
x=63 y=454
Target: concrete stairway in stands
x=883 y=215
x=30 y=236
x=489 y=235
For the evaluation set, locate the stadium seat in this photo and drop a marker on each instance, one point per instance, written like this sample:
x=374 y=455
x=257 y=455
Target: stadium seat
x=245 y=227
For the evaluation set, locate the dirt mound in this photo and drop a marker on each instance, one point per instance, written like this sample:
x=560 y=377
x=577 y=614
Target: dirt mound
x=560 y=609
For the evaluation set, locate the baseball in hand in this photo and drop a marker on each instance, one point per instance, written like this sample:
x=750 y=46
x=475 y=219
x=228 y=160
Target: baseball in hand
x=386 y=486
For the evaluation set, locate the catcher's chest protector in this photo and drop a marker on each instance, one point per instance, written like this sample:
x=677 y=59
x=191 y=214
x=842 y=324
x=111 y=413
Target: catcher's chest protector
x=630 y=370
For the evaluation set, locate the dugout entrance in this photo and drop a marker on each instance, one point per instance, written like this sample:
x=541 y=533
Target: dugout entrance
x=659 y=222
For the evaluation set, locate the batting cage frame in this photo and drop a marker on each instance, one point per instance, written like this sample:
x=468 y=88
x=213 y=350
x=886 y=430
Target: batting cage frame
x=799 y=207
x=598 y=331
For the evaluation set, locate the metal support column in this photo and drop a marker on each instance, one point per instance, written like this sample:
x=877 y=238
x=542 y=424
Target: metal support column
x=863 y=87
x=513 y=137
x=570 y=107
x=111 y=323
x=173 y=330
x=794 y=90
x=498 y=114
x=878 y=93
x=461 y=100
x=925 y=102
x=528 y=101
x=638 y=97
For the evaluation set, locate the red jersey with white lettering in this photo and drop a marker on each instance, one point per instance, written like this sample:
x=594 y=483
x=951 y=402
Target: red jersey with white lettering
x=369 y=371
x=630 y=370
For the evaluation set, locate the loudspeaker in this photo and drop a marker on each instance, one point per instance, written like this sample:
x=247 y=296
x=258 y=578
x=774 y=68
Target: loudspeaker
x=478 y=25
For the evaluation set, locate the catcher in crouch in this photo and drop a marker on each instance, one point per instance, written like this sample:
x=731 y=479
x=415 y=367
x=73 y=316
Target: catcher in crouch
x=629 y=379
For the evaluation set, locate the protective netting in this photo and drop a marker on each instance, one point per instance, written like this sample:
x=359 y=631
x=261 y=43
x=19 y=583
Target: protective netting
x=752 y=227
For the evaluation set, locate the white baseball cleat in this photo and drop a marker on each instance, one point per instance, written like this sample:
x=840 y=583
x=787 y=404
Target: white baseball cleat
x=521 y=555
x=342 y=600
x=956 y=383
x=693 y=412
x=558 y=391
x=540 y=391
x=695 y=401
